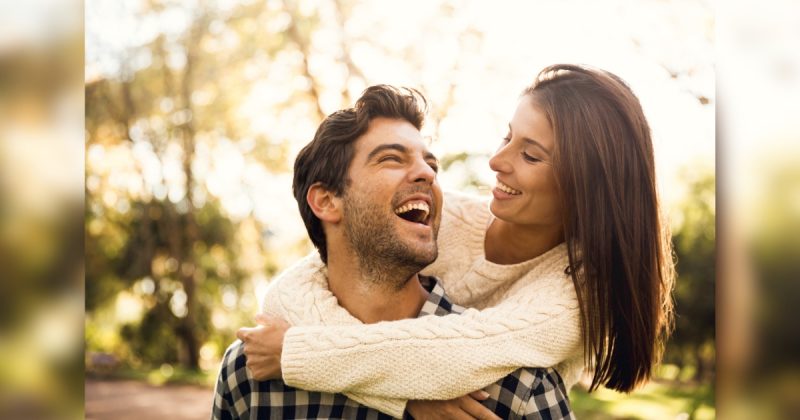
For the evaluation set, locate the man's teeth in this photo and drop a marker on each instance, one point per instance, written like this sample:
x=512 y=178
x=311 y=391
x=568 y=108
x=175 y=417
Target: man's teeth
x=506 y=189
x=413 y=206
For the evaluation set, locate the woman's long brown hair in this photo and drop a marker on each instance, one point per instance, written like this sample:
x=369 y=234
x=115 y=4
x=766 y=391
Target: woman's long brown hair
x=620 y=256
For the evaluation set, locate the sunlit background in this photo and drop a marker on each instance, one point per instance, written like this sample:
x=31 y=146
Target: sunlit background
x=194 y=111
x=41 y=217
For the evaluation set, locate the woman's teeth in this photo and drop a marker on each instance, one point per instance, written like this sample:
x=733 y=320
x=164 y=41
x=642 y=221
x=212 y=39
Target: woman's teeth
x=506 y=189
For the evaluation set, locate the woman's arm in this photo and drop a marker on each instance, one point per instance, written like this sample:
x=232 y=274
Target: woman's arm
x=300 y=296
x=433 y=357
x=381 y=365
x=423 y=358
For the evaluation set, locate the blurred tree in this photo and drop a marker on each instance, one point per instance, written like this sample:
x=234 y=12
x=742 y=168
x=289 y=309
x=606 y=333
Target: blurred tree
x=165 y=219
x=161 y=231
x=776 y=262
x=692 y=343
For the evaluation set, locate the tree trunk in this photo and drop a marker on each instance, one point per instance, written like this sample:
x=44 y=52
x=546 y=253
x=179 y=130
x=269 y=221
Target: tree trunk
x=188 y=326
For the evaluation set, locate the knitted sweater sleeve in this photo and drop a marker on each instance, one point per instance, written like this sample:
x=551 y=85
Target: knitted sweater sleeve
x=431 y=357
x=300 y=296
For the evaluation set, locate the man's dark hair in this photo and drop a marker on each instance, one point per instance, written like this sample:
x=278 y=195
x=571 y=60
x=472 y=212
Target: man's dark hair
x=327 y=158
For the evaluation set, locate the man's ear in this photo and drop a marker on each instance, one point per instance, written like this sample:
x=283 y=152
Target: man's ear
x=324 y=203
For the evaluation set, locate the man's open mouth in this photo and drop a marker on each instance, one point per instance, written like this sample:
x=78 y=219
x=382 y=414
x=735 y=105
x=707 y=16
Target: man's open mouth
x=414 y=211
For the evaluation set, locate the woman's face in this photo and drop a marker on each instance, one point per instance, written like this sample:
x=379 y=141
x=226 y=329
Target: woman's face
x=526 y=192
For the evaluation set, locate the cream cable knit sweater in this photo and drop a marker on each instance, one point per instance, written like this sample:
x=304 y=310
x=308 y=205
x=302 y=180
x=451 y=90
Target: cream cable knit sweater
x=522 y=315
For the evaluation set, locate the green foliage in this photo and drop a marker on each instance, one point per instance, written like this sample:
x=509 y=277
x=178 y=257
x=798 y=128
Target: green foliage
x=692 y=343
x=776 y=263
x=661 y=400
x=160 y=256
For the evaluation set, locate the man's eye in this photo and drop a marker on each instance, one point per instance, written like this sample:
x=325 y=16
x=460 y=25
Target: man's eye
x=529 y=158
x=392 y=158
x=435 y=167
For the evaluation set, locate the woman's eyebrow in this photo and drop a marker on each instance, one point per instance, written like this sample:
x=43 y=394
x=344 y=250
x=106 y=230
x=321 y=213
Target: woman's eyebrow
x=531 y=141
x=536 y=143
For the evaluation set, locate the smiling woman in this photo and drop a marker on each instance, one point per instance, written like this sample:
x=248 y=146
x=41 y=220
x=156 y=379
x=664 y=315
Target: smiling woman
x=526 y=193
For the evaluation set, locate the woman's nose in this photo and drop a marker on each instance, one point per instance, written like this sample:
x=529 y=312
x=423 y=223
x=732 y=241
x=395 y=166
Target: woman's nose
x=499 y=162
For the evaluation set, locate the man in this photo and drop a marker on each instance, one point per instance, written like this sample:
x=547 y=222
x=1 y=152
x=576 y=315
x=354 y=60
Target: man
x=367 y=190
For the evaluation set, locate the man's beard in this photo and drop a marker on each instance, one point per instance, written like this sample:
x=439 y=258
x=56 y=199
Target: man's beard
x=383 y=257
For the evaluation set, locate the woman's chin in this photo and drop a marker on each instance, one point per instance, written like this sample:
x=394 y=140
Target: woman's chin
x=512 y=214
x=499 y=210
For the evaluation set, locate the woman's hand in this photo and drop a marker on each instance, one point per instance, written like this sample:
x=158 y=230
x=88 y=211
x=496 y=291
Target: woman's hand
x=263 y=345
x=466 y=408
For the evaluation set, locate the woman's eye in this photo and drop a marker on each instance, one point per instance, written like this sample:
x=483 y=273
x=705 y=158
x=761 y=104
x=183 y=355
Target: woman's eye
x=529 y=158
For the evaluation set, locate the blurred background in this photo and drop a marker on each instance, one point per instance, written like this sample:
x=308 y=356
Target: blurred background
x=174 y=174
x=41 y=209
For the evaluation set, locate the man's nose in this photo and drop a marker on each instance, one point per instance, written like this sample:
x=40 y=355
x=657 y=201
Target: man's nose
x=422 y=172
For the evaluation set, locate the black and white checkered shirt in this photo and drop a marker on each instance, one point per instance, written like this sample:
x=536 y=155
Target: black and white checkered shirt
x=524 y=394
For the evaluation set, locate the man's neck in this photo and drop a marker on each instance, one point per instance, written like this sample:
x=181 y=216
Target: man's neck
x=373 y=301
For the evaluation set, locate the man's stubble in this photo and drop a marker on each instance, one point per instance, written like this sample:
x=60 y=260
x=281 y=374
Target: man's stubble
x=383 y=257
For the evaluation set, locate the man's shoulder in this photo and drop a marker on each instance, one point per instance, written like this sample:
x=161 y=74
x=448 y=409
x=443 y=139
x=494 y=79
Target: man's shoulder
x=292 y=289
x=246 y=397
x=531 y=393
x=234 y=350
x=233 y=360
x=232 y=383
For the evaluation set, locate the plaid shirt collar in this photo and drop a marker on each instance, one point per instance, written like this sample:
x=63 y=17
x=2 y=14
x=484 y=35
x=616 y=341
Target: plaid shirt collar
x=437 y=303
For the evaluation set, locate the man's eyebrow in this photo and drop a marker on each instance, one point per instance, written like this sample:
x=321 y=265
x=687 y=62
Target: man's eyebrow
x=390 y=146
x=430 y=156
x=532 y=142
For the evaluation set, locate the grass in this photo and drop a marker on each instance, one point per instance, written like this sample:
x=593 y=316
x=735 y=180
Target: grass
x=657 y=400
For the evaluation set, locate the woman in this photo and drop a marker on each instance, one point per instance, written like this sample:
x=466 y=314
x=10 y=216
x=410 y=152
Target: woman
x=569 y=267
